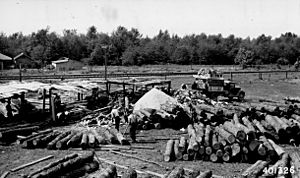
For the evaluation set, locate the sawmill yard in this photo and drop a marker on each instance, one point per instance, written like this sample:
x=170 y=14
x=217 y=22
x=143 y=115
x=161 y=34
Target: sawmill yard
x=151 y=146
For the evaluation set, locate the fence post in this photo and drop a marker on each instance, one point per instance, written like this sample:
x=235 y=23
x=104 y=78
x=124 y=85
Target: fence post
x=286 y=74
x=260 y=76
x=231 y=77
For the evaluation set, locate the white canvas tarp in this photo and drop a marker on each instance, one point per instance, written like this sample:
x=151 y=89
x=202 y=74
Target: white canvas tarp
x=154 y=99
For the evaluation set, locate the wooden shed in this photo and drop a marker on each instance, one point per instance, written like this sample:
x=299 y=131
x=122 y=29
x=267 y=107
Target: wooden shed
x=25 y=61
x=5 y=61
x=66 y=64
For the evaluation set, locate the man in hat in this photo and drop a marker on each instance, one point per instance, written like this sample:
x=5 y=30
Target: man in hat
x=115 y=115
x=133 y=126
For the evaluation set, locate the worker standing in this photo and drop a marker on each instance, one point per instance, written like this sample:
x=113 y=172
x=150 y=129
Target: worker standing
x=133 y=126
x=116 y=116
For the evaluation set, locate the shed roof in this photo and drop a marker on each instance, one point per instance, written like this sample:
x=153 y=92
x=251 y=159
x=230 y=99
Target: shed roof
x=4 y=57
x=61 y=60
x=22 y=54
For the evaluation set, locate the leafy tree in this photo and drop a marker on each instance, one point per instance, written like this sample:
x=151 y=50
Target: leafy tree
x=244 y=57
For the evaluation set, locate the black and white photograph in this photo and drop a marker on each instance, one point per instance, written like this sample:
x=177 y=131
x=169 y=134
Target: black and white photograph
x=149 y=88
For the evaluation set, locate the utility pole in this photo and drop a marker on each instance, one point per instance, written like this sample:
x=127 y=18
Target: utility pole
x=105 y=60
x=20 y=72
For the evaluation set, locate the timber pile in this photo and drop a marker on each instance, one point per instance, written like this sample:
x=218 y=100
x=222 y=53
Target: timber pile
x=286 y=166
x=159 y=119
x=77 y=137
x=228 y=142
x=72 y=165
x=10 y=134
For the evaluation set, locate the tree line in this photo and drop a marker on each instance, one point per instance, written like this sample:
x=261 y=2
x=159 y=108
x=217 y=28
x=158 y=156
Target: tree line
x=129 y=47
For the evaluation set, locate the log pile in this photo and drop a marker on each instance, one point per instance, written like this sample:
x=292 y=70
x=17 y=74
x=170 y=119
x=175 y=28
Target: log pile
x=229 y=142
x=77 y=137
x=159 y=119
x=286 y=166
x=72 y=165
x=10 y=134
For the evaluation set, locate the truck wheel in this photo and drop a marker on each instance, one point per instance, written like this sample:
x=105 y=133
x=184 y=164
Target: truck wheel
x=241 y=96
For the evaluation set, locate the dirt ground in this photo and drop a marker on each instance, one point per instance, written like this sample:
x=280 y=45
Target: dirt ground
x=271 y=87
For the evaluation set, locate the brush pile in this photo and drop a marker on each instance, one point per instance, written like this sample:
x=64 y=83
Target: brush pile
x=76 y=137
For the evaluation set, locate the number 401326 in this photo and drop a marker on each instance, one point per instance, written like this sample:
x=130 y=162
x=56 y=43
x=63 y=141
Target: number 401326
x=279 y=170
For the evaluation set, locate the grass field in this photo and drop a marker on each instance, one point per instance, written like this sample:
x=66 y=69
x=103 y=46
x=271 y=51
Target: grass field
x=140 y=69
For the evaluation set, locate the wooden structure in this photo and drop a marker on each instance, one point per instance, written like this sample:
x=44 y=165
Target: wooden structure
x=135 y=85
x=5 y=61
x=25 y=61
x=66 y=64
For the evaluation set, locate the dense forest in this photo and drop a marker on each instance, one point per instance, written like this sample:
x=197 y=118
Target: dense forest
x=129 y=47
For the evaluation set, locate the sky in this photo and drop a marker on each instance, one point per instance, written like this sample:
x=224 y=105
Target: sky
x=242 y=18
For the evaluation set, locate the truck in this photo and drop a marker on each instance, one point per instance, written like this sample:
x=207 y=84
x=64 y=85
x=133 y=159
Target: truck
x=212 y=84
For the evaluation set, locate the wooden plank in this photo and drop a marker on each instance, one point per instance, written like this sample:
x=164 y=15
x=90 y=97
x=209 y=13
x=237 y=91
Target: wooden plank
x=31 y=163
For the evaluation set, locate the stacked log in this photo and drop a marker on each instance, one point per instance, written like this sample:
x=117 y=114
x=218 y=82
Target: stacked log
x=10 y=134
x=69 y=165
x=73 y=138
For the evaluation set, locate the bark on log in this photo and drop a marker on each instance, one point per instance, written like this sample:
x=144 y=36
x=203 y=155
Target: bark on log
x=87 y=168
x=271 y=153
x=279 y=129
x=109 y=172
x=62 y=144
x=130 y=173
x=221 y=140
x=169 y=151
x=75 y=140
x=236 y=149
x=29 y=142
x=41 y=143
x=92 y=141
x=248 y=171
x=256 y=170
x=252 y=133
x=20 y=141
x=279 y=150
x=110 y=137
x=235 y=130
x=295 y=161
x=176 y=173
x=200 y=131
x=31 y=163
x=67 y=166
x=215 y=144
x=273 y=170
x=262 y=150
x=52 y=164
x=84 y=141
x=100 y=138
x=178 y=154
x=267 y=133
x=253 y=145
x=207 y=137
x=205 y=174
x=11 y=134
x=182 y=144
x=226 y=135
x=52 y=144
